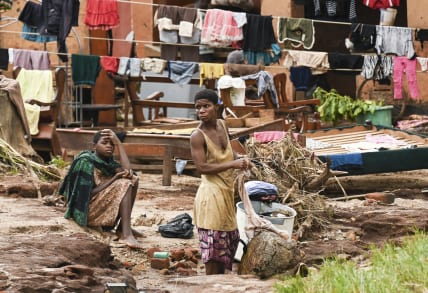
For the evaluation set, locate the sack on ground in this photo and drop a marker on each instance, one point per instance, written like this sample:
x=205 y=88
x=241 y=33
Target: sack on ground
x=179 y=227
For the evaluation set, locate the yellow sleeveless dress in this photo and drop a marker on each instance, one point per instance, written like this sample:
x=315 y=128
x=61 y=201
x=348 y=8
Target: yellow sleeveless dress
x=214 y=206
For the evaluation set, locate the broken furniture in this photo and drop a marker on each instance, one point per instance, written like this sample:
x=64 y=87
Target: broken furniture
x=94 y=105
x=302 y=108
x=46 y=141
x=157 y=109
x=367 y=149
x=298 y=112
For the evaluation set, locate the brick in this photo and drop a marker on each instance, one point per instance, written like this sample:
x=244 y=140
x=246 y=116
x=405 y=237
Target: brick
x=176 y=254
x=159 y=263
x=188 y=253
x=152 y=250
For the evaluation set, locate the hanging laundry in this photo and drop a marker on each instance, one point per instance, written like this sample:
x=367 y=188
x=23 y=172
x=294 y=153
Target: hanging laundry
x=263 y=57
x=178 y=25
x=32 y=18
x=345 y=61
x=222 y=28
x=421 y=35
x=155 y=65
x=242 y=4
x=210 y=71
x=300 y=76
x=129 y=66
x=394 y=40
x=298 y=31
x=101 y=14
x=258 y=33
x=123 y=68
x=259 y=44
x=423 y=62
x=265 y=83
x=85 y=69
x=134 y=67
x=59 y=16
x=32 y=14
x=403 y=65
x=377 y=4
x=317 y=61
x=31 y=34
x=333 y=9
x=4 y=59
x=31 y=59
x=109 y=63
x=181 y=72
x=377 y=67
x=362 y=38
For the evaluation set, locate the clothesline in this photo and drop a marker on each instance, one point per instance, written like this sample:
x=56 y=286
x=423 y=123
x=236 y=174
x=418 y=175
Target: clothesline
x=163 y=43
x=175 y=44
x=273 y=16
x=192 y=45
x=266 y=66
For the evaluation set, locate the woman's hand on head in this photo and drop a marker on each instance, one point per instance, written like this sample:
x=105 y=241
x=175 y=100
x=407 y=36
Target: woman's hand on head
x=111 y=135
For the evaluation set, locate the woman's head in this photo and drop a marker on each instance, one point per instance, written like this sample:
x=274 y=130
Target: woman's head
x=103 y=145
x=206 y=104
x=207 y=94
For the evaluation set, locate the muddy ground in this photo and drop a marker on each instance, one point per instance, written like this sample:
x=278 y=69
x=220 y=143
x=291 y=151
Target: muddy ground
x=43 y=252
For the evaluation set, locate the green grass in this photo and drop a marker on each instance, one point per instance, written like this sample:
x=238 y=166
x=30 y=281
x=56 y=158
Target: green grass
x=390 y=269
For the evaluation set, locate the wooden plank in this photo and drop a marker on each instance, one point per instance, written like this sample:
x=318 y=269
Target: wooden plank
x=155 y=103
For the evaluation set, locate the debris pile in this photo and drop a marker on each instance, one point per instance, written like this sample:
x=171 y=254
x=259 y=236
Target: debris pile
x=14 y=163
x=298 y=175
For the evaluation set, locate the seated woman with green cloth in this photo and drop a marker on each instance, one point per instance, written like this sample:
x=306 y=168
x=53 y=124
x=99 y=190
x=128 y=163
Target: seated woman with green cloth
x=100 y=191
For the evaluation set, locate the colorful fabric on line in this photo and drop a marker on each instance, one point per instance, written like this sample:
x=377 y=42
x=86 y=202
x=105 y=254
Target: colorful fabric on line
x=101 y=14
x=85 y=69
x=219 y=246
x=79 y=181
x=109 y=63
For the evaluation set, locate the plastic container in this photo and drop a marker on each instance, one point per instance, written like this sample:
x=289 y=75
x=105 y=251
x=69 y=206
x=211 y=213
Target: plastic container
x=381 y=116
x=281 y=221
x=161 y=254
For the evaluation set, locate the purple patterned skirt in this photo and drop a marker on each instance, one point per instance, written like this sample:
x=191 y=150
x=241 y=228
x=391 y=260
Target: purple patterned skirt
x=218 y=246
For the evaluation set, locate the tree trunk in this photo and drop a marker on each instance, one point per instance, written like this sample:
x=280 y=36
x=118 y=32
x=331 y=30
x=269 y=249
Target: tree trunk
x=378 y=182
x=268 y=254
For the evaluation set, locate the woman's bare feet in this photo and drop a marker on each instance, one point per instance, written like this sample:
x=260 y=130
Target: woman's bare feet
x=136 y=233
x=131 y=242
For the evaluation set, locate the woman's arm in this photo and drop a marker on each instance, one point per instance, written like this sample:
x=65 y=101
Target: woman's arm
x=107 y=183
